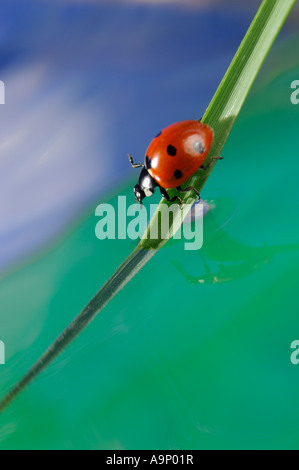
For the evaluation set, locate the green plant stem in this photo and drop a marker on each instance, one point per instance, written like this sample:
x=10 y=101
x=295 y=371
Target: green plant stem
x=220 y=115
x=125 y=272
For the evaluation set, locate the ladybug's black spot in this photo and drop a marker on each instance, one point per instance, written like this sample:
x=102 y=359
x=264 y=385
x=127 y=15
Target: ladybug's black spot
x=148 y=163
x=199 y=147
x=178 y=174
x=171 y=150
x=158 y=135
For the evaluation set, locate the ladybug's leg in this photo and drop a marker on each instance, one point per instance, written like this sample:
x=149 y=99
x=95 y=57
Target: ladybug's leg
x=134 y=165
x=206 y=167
x=190 y=188
x=166 y=196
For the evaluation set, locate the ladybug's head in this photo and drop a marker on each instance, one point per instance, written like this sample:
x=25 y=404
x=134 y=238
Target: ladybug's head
x=139 y=193
x=145 y=187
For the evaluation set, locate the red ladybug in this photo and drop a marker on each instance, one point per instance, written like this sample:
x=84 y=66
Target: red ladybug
x=172 y=158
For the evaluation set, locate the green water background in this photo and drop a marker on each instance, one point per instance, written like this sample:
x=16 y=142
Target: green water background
x=195 y=352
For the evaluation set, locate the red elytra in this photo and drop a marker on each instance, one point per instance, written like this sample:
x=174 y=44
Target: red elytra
x=177 y=152
x=173 y=156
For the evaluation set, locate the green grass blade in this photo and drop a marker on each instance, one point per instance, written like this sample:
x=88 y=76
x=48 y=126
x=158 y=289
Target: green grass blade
x=220 y=115
x=230 y=96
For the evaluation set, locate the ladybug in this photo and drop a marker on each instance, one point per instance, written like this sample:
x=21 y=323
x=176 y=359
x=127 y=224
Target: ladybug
x=173 y=156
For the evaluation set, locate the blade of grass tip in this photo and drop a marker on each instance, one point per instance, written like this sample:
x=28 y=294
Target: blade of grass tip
x=220 y=115
x=231 y=94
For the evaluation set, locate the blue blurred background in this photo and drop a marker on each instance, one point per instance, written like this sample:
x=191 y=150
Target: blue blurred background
x=86 y=83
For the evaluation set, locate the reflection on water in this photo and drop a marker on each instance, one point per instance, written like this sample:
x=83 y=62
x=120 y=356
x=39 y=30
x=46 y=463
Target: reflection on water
x=235 y=259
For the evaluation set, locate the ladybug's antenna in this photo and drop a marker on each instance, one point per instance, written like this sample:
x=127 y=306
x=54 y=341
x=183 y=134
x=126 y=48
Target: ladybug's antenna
x=134 y=165
x=136 y=205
